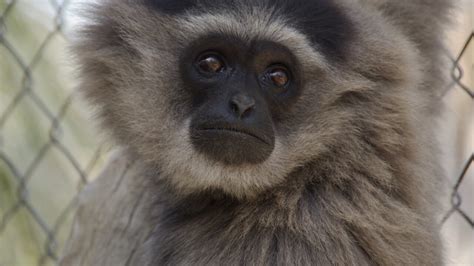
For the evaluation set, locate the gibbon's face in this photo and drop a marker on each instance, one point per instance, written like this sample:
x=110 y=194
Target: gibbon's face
x=235 y=95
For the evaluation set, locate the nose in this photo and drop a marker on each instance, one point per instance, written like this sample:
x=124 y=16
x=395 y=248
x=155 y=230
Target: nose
x=242 y=105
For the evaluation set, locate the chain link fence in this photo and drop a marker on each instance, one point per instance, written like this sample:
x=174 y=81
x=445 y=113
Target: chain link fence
x=48 y=151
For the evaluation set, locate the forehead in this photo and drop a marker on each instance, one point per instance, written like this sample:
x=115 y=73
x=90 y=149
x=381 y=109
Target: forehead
x=323 y=22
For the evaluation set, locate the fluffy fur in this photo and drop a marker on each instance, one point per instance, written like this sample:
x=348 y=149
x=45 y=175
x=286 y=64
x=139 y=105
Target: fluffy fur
x=354 y=178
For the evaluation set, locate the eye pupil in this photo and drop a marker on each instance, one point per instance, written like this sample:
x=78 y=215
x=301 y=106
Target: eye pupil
x=279 y=77
x=211 y=64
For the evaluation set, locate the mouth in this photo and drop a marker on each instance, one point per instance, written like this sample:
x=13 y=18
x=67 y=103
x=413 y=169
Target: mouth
x=231 y=143
x=233 y=130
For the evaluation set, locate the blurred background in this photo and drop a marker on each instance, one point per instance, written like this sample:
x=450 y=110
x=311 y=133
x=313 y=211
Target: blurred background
x=49 y=149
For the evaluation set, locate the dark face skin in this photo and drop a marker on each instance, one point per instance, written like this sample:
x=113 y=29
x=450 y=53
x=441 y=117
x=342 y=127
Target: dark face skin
x=239 y=91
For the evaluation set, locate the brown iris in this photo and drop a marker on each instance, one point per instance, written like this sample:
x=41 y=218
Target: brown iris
x=211 y=64
x=279 y=77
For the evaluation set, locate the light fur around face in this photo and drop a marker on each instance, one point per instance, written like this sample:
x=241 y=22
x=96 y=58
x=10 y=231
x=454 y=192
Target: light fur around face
x=190 y=171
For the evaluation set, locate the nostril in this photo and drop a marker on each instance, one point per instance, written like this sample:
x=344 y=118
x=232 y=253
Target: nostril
x=246 y=112
x=242 y=105
x=235 y=108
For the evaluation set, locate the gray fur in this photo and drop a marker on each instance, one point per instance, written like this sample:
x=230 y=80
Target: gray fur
x=354 y=178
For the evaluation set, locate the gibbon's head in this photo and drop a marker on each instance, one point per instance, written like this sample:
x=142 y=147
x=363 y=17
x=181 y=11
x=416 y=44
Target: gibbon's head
x=234 y=95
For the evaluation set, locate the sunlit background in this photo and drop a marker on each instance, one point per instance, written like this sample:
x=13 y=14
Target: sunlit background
x=49 y=149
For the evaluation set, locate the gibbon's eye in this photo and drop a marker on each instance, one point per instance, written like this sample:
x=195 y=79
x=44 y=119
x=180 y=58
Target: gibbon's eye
x=211 y=63
x=279 y=76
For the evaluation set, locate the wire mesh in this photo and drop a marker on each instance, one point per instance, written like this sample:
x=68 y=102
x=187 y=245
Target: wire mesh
x=19 y=172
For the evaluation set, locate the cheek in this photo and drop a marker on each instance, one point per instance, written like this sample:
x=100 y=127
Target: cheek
x=168 y=97
x=298 y=115
x=179 y=106
x=310 y=125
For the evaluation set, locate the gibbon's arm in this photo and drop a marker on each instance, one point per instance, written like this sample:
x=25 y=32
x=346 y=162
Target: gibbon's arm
x=109 y=225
